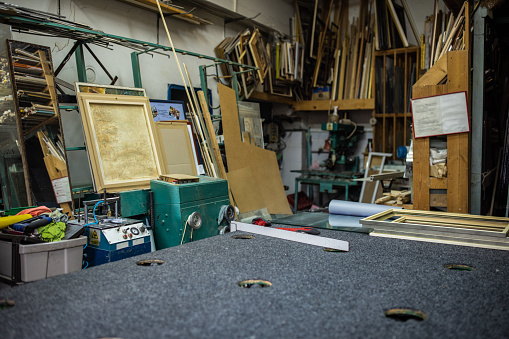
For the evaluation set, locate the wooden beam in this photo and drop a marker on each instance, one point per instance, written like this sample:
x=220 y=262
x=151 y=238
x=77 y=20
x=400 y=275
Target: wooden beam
x=320 y=46
x=435 y=75
x=420 y=167
x=263 y=96
x=324 y=105
x=167 y=9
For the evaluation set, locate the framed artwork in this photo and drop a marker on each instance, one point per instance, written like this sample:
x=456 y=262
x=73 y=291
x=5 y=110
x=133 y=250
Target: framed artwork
x=167 y=110
x=178 y=93
x=82 y=87
x=176 y=147
x=122 y=145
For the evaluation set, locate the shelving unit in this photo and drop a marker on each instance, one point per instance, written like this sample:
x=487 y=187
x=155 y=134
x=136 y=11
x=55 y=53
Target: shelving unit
x=38 y=124
x=33 y=85
x=450 y=74
x=429 y=192
x=392 y=102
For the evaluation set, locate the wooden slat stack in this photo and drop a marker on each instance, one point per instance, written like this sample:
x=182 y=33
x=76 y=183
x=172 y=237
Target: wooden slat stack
x=450 y=74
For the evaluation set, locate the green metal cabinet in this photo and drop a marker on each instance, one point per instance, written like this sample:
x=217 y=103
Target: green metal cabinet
x=173 y=204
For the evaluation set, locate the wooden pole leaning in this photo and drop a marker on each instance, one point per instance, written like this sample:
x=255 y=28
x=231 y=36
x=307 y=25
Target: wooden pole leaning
x=199 y=117
x=191 y=104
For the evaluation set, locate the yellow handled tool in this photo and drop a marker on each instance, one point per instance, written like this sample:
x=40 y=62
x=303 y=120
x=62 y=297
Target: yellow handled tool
x=7 y=221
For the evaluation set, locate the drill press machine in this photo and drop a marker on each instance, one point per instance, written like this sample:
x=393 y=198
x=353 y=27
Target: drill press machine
x=343 y=136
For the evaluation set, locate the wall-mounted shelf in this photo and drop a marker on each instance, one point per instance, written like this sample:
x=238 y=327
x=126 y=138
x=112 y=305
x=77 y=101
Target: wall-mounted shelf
x=343 y=105
x=262 y=96
x=315 y=105
x=167 y=9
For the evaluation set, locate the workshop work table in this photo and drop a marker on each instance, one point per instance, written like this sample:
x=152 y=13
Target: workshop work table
x=314 y=293
x=326 y=180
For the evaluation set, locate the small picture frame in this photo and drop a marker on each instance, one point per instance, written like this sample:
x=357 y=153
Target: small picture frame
x=167 y=110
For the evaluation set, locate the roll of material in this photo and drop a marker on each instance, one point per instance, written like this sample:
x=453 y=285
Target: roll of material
x=357 y=209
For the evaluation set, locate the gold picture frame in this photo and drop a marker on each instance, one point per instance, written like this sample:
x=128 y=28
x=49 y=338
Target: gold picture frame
x=123 y=150
x=176 y=149
x=258 y=52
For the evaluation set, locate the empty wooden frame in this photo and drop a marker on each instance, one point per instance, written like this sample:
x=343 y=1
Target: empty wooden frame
x=176 y=147
x=441 y=227
x=122 y=147
x=259 y=54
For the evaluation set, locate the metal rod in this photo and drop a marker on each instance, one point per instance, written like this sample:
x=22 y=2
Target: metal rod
x=114 y=38
x=99 y=62
x=67 y=57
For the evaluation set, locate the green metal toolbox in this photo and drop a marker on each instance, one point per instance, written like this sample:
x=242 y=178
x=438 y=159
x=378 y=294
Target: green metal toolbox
x=178 y=208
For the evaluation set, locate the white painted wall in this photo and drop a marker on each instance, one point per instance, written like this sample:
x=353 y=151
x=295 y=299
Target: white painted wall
x=157 y=71
x=274 y=14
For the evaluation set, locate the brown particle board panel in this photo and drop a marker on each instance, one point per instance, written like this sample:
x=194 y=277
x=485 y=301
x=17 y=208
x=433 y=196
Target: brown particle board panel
x=239 y=155
x=242 y=187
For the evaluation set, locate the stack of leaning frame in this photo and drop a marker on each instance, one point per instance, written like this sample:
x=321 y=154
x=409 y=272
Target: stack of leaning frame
x=441 y=227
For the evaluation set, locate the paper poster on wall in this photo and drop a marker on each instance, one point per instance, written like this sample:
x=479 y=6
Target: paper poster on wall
x=167 y=110
x=440 y=114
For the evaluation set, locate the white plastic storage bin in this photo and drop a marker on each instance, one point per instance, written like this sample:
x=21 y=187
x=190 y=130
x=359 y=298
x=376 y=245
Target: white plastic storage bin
x=41 y=261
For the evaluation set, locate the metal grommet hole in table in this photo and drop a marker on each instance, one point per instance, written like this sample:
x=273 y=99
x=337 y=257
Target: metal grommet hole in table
x=243 y=236
x=150 y=262
x=459 y=267
x=255 y=283
x=404 y=314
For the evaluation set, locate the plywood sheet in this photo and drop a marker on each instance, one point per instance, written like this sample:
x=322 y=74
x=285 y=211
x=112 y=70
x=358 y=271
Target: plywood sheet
x=176 y=148
x=244 y=189
x=119 y=133
x=263 y=163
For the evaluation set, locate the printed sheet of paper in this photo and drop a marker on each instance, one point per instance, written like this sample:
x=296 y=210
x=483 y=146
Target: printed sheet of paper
x=62 y=190
x=441 y=114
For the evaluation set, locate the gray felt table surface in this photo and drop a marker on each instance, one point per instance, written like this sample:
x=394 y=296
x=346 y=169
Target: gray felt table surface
x=315 y=294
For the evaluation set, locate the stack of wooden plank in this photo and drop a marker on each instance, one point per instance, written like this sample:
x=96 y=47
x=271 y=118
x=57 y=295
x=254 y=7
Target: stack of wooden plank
x=390 y=25
x=344 y=55
x=395 y=198
x=324 y=50
x=442 y=33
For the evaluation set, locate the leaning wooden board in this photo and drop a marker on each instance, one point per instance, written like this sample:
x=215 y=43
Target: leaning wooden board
x=263 y=163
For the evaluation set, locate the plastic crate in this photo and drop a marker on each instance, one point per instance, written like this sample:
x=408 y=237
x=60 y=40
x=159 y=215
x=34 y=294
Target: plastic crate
x=41 y=261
